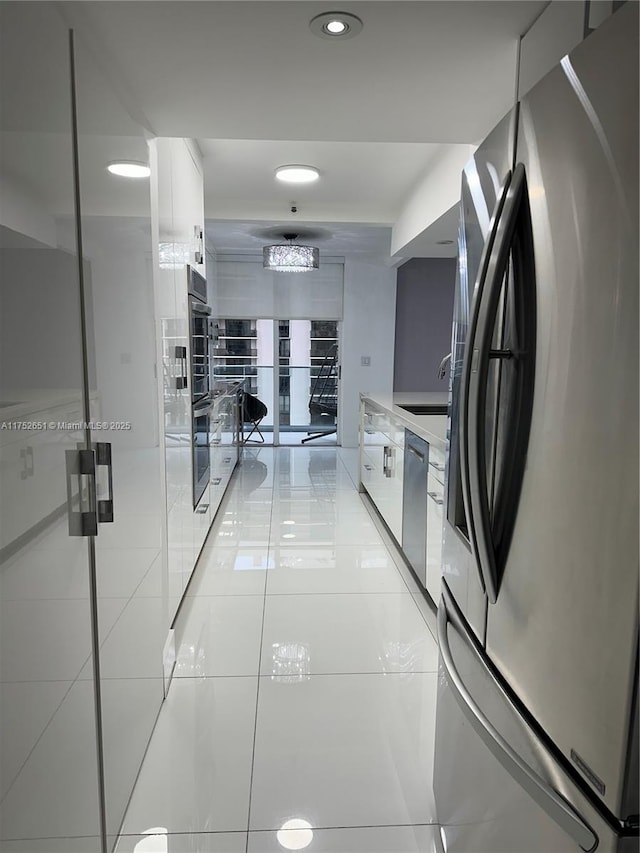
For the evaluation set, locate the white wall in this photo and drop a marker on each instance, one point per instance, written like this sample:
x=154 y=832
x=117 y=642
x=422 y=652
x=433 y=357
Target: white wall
x=557 y=31
x=23 y=212
x=368 y=329
x=434 y=195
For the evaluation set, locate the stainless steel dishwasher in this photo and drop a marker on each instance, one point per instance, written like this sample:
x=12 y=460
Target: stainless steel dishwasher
x=414 y=503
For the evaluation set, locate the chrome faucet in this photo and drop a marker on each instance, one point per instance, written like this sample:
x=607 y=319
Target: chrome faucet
x=443 y=366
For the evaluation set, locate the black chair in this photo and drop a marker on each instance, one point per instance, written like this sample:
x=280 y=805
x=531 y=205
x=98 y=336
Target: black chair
x=253 y=411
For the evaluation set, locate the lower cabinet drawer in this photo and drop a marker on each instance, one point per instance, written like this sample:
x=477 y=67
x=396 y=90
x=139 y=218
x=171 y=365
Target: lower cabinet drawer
x=381 y=475
x=435 y=505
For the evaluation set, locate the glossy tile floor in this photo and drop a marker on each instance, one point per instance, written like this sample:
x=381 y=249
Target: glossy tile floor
x=302 y=709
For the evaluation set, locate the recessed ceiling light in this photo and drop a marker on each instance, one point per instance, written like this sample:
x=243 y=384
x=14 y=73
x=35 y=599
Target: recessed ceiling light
x=336 y=25
x=129 y=169
x=294 y=173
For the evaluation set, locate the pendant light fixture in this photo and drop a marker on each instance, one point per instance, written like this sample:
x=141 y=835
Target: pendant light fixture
x=290 y=256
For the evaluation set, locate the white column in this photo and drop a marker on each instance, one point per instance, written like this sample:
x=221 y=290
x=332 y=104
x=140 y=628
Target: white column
x=265 y=360
x=300 y=334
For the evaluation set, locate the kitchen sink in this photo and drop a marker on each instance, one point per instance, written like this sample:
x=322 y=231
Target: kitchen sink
x=426 y=408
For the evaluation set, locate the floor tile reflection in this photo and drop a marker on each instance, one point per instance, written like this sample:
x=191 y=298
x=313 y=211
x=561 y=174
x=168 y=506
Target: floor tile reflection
x=306 y=679
x=344 y=750
x=378 y=839
x=157 y=840
x=197 y=770
x=349 y=633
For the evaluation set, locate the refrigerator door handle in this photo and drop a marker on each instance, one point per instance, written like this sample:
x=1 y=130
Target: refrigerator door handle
x=538 y=789
x=467 y=368
x=480 y=353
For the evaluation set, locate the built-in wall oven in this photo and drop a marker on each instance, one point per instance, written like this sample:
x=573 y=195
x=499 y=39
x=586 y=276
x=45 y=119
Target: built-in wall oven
x=199 y=335
x=200 y=350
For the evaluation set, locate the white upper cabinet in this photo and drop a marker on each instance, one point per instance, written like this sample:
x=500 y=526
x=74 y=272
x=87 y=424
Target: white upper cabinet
x=178 y=199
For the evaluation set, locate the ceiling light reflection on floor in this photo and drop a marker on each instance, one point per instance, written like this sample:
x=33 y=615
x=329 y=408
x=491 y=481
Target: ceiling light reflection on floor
x=296 y=834
x=154 y=842
x=291 y=663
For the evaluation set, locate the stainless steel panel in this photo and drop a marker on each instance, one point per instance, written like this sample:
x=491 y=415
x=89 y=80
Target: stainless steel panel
x=482 y=180
x=564 y=631
x=480 y=806
x=414 y=504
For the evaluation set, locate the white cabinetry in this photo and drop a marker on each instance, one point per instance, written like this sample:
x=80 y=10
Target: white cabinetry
x=382 y=463
x=178 y=223
x=32 y=461
x=224 y=446
x=179 y=236
x=382 y=446
x=435 y=507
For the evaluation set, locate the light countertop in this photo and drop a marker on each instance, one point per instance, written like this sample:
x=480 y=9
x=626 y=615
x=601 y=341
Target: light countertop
x=433 y=428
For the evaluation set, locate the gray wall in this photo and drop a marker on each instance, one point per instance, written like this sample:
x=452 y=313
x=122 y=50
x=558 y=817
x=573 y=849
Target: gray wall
x=40 y=344
x=424 y=310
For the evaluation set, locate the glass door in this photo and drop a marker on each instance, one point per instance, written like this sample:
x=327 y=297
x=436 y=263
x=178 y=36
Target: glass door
x=308 y=381
x=50 y=796
x=131 y=594
x=292 y=366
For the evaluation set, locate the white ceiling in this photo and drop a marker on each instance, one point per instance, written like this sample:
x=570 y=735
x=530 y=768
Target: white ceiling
x=256 y=89
x=370 y=242
x=360 y=181
x=434 y=71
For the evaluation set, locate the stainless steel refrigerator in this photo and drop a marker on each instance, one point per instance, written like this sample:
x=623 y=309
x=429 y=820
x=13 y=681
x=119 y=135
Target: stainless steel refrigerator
x=537 y=713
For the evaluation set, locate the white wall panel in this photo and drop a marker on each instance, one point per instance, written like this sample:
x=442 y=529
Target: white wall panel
x=368 y=329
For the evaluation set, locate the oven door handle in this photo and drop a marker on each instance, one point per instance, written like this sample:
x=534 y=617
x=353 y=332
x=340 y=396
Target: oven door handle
x=200 y=308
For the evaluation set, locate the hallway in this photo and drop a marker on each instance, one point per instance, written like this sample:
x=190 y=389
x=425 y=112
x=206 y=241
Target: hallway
x=305 y=683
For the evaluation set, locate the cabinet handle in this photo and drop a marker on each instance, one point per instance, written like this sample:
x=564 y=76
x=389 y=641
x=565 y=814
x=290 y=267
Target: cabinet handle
x=81 y=467
x=31 y=467
x=216 y=481
x=181 y=356
x=226 y=460
x=368 y=468
x=103 y=459
x=387 y=464
x=25 y=468
x=435 y=465
x=202 y=509
x=436 y=498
